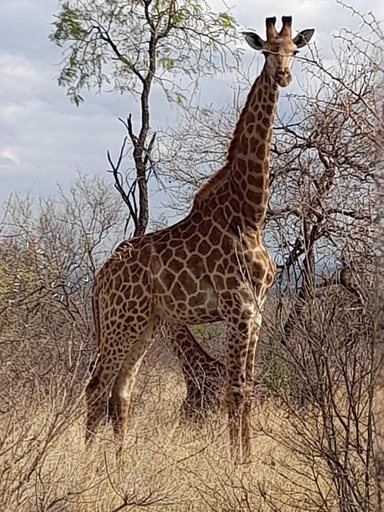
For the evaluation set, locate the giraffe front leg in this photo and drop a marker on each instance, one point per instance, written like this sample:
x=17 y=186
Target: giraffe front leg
x=249 y=390
x=235 y=404
x=237 y=345
x=241 y=347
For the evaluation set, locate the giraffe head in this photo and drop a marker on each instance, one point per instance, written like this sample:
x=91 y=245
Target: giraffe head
x=279 y=48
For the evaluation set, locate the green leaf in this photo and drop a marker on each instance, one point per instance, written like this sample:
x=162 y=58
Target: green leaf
x=226 y=20
x=167 y=63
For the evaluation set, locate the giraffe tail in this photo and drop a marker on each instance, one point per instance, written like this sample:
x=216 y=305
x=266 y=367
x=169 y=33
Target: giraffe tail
x=96 y=324
x=96 y=327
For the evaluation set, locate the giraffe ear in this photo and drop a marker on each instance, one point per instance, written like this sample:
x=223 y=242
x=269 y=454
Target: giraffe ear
x=303 y=37
x=254 y=40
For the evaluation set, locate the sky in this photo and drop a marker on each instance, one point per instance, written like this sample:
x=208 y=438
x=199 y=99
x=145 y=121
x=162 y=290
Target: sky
x=45 y=139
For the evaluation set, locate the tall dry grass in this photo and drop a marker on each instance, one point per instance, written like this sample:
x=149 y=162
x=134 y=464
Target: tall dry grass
x=167 y=465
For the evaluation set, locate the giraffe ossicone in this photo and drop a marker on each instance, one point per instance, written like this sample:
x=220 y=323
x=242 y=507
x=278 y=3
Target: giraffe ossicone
x=210 y=266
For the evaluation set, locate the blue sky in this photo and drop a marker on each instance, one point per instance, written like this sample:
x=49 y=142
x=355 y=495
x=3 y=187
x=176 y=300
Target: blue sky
x=45 y=139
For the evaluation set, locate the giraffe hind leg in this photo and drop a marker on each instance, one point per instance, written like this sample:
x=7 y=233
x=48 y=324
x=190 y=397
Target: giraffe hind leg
x=109 y=411
x=203 y=374
x=122 y=388
x=127 y=353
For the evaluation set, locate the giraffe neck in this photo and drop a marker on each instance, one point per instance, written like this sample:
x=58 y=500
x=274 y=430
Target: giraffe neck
x=248 y=154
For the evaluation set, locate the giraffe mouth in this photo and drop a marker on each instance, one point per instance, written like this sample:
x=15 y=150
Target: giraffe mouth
x=284 y=80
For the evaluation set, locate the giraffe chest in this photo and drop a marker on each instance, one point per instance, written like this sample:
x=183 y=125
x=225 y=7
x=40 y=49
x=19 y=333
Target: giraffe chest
x=248 y=265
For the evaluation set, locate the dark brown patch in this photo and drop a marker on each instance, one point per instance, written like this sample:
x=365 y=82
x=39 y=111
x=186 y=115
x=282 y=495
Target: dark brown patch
x=244 y=144
x=137 y=290
x=224 y=197
x=192 y=242
x=248 y=210
x=218 y=216
x=215 y=235
x=253 y=145
x=249 y=117
x=204 y=228
x=231 y=283
x=167 y=255
x=204 y=247
x=188 y=231
x=215 y=255
x=176 y=265
x=226 y=296
x=126 y=274
x=261 y=151
x=196 y=217
x=196 y=264
x=197 y=300
x=135 y=277
x=180 y=253
x=174 y=244
x=94 y=383
x=234 y=203
x=145 y=256
x=241 y=165
x=158 y=287
x=258 y=271
x=167 y=278
x=182 y=306
x=141 y=319
x=220 y=269
x=262 y=132
x=256 y=180
x=132 y=306
x=188 y=283
x=237 y=175
x=255 y=197
x=178 y=292
x=219 y=282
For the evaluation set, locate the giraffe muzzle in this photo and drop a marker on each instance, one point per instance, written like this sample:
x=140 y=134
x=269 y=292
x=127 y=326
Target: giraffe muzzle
x=283 y=77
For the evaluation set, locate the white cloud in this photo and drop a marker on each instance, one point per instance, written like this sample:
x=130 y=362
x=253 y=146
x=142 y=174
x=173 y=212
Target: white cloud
x=8 y=156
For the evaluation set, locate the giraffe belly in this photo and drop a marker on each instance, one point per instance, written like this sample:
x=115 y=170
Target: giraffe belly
x=194 y=304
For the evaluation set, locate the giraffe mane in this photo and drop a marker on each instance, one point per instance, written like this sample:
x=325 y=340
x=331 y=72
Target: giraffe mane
x=215 y=180
x=212 y=183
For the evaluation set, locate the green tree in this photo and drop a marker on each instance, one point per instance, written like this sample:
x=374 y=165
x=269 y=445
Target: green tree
x=132 y=47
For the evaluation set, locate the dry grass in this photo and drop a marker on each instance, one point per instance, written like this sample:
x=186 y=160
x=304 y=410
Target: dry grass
x=166 y=465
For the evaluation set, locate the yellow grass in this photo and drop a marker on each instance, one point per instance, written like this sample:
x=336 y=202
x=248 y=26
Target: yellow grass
x=167 y=465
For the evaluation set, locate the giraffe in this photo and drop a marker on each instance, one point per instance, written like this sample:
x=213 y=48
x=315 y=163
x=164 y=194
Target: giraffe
x=210 y=266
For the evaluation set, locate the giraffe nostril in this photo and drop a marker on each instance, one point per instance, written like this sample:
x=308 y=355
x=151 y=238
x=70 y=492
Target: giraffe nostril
x=282 y=72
